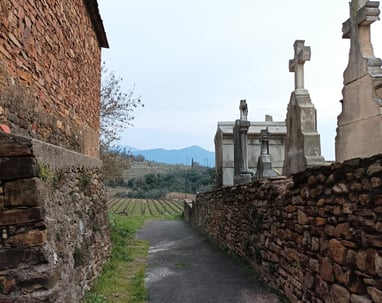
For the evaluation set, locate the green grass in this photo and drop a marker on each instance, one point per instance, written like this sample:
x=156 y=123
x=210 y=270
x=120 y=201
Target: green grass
x=123 y=275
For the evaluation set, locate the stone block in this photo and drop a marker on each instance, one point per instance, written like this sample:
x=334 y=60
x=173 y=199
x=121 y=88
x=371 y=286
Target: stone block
x=12 y=168
x=308 y=281
x=344 y=230
x=302 y=218
x=326 y=272
x=322 y=290
x=10 y=258
x=375 y=294
x=29 y=238
x=25 y=192
x=339 y=294
x=376 y=182
x=337 y=251
x=378 y=264
x=7 y=284
x=13 y=146
x=315 y=244
x=340 y=188
x=356 y=284
x=314 y=265
x=359 y=299
x=364 y=199
x=374 y=168
x=377 y=283
x=20 y=216
x=34 y=284
x=374 y=241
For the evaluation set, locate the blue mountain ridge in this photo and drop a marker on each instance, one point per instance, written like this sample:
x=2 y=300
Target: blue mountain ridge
x=176 y=156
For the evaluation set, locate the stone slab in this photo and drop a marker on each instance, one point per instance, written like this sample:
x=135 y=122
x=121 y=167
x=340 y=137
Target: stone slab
x=12 y=168
x=61 y=158
x=13 y=257
x=20 y=216
x=24 y=192
x=14 y=146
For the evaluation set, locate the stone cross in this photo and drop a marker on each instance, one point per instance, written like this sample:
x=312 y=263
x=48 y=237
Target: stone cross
x=240 y=130
x=264 y=163
x=243 y=110
x=361 y=57
x=264 y=139
x=296 y=65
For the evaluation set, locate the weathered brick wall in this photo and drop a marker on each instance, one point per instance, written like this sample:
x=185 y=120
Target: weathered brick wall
x=50 y=72
x=316 y=238
x=53 y=222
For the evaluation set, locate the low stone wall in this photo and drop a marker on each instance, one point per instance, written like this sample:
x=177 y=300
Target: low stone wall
x=316 y=238
x=53 y=222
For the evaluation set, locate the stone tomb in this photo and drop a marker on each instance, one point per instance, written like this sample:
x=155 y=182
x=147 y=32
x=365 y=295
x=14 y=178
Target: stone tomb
x=360 y=122
x=224 y=147
x=302 y=146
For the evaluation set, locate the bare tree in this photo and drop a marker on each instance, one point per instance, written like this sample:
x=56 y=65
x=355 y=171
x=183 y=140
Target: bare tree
x=117 y=108
x=116 y=114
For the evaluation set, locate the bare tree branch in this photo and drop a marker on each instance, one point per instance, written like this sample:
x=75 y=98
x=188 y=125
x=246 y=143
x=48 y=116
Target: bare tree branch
x=117 y=108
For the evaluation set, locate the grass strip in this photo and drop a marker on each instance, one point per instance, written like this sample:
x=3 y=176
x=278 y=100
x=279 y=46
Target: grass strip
x=122 y=279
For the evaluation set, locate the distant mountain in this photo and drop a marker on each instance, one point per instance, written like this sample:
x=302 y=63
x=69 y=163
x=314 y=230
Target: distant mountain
x=177 y=156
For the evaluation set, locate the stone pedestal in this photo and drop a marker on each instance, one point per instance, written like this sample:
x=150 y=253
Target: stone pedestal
x=241 y=172
x=264 y=167
x=264 y=164
x=302 y=146
x=360 y=122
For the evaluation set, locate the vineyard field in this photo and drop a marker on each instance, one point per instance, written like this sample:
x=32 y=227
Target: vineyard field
x=144 y=207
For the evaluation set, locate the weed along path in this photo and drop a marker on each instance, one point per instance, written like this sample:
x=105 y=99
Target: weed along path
x=184 y=267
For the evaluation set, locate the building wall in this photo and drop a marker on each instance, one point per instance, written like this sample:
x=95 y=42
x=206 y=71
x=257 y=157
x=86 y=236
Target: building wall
x=54 y=228
x=50 y=72
x=316 y=237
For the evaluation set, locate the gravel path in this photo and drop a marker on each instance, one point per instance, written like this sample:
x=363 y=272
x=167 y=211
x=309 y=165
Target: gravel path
x=184 y=267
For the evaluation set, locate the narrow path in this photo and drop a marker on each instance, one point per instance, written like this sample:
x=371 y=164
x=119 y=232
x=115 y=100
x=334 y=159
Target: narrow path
x=184 y=267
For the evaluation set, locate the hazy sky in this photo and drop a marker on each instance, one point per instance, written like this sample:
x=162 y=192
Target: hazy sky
x=192 y=61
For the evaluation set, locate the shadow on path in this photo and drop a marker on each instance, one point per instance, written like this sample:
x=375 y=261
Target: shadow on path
x=184 y=267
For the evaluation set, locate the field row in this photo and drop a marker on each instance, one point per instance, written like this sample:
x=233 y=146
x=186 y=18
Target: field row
x=144 y=207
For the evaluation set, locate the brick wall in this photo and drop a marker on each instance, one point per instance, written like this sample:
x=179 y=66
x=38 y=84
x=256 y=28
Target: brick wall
x=50 y=72
x=316 y=238
x=54 y=235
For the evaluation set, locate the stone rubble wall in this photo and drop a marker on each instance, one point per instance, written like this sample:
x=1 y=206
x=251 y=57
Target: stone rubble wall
x=54 y=227
x=316 y=238
x=50 y=73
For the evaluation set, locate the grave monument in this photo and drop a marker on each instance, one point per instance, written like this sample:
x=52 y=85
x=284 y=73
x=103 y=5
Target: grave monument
x=302 y=145
x=242 y=174
x=360 y=122
x=264 y=164
x=224 y=147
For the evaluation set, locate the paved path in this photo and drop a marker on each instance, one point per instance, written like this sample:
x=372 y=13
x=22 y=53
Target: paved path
x=184 y=267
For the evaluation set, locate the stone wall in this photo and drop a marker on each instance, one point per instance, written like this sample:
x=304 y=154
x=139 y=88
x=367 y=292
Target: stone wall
x=316 y=238
x=53 y=222
x=50 y=71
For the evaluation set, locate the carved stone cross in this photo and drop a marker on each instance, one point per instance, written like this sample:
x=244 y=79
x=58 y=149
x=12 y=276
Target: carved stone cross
x=296 y=65
x=264 y=139
x=243 y=110
x=361 y=57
